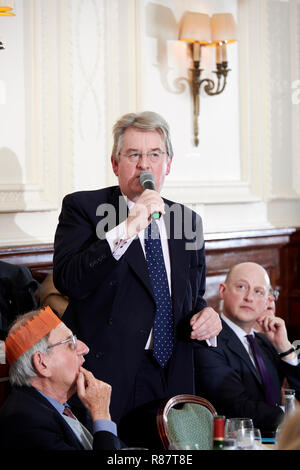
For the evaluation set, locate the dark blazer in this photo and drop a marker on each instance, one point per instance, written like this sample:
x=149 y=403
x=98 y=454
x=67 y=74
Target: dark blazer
x=112 y=304
x=227 y=377
x=29 y=421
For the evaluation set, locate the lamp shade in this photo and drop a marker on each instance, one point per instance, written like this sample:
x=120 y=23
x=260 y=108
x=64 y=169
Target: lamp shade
x=7 y=7
x=195 y=27
x=223 y=28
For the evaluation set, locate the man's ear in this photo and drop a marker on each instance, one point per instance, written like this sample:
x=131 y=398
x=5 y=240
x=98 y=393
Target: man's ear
x=222 y=288
x=115 y=165
x=41 y=364
x=169 y=163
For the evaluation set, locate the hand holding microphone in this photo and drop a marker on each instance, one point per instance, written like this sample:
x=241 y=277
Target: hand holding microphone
x=148 y=205
x=147 y=182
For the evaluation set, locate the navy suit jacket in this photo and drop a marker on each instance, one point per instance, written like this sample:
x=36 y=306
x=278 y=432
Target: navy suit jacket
x=227 y=377
x=111 y=303
x=29 y=421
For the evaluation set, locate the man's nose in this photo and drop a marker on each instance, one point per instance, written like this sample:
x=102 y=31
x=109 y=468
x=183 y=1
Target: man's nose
x=81 y=348
x=143 y=162
x=249 y=295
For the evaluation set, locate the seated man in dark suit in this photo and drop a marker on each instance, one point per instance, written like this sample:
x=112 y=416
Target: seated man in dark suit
x=238 y=381
x=45 y=361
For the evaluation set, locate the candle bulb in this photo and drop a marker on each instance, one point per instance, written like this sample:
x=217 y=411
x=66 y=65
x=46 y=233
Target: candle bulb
x=218 y=54
x=224 y=53
x=196 y=51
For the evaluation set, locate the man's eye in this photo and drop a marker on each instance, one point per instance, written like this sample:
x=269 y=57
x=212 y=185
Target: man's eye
x=133 y=155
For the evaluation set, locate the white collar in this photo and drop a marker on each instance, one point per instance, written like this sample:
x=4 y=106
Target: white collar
x=237 y=329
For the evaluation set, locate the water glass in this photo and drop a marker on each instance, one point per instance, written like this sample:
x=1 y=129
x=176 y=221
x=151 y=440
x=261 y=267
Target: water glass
x=257 y=439
x=245 y=439
x=232 y=425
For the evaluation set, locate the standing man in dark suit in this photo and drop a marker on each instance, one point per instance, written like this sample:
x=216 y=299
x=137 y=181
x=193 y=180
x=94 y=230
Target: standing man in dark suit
x=45 y=361
x=102 y=264
x=231 y=376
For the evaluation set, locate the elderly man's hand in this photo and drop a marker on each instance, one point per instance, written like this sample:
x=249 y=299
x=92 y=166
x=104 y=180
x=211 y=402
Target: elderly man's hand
x=94 y=394
x=205 y=324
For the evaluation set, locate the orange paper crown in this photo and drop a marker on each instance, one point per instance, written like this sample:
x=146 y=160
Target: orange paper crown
x=29 y=334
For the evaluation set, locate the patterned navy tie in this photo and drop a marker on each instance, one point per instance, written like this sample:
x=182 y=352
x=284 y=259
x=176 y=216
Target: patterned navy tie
x=163 y=321
x=261 y=367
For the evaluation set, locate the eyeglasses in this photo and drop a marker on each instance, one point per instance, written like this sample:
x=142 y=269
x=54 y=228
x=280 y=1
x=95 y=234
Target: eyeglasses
x=72 y=338
x=154 y=156
x=274 y=293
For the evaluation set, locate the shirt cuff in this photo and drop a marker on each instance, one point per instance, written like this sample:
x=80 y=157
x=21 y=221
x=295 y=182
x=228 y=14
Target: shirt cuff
x=292 y=362
x=104 y=425
x=116 y=240
x=212 y=341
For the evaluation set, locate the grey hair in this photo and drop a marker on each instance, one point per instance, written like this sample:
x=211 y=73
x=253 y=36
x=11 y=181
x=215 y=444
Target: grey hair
x=145 y=121
x=22 y=370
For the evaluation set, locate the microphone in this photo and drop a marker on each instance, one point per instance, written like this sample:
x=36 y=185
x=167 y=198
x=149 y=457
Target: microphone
x=147 y=182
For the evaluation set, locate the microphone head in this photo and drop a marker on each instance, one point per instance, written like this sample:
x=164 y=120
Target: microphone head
x=146 y=177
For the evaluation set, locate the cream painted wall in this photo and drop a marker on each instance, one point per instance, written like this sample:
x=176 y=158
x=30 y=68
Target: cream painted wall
x=72 y=67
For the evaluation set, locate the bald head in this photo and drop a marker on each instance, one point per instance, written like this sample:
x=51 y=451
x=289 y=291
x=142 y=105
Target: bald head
x=254 y=268
x=245 y=294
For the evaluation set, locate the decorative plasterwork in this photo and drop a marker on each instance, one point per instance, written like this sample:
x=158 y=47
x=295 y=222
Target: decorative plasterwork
x=37 y=191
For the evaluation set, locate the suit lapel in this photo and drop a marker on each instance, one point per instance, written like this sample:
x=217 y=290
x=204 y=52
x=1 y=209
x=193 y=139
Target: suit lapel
x=135 y=257
x=237 y=348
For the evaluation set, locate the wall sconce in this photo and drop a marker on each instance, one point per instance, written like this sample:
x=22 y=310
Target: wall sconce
x=7 y=7
x=201 y=30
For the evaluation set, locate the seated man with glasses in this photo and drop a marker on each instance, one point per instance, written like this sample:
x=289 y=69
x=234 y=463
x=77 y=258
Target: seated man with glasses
x=46 y=361
x=243 y=375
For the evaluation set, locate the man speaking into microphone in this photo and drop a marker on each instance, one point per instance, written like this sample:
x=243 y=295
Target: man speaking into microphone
x=135 y=293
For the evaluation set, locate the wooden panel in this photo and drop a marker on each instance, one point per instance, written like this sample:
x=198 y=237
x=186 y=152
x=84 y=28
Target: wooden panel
x=278 y=250
x=39 y=258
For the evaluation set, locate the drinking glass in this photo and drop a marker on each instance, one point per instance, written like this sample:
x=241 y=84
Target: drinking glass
x=232 y=425
x=245 y=439
x=257 y=439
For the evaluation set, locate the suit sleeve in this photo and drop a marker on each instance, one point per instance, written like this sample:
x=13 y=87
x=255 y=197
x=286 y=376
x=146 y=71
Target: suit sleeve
x=81 y=260
x=223 y=386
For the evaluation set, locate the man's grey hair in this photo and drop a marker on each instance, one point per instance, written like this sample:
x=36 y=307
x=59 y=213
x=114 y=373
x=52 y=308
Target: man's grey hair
x=145 y=121
x=22 y=370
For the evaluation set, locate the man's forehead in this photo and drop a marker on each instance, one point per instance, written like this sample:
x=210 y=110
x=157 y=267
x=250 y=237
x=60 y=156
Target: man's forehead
x=254 y=275
x=61 y=332
x=133 y=134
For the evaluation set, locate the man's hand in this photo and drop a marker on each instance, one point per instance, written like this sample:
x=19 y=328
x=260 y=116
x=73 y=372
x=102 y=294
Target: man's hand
x=205 y=324
x=94 y=394
x=275 y=330
x=140 y=215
